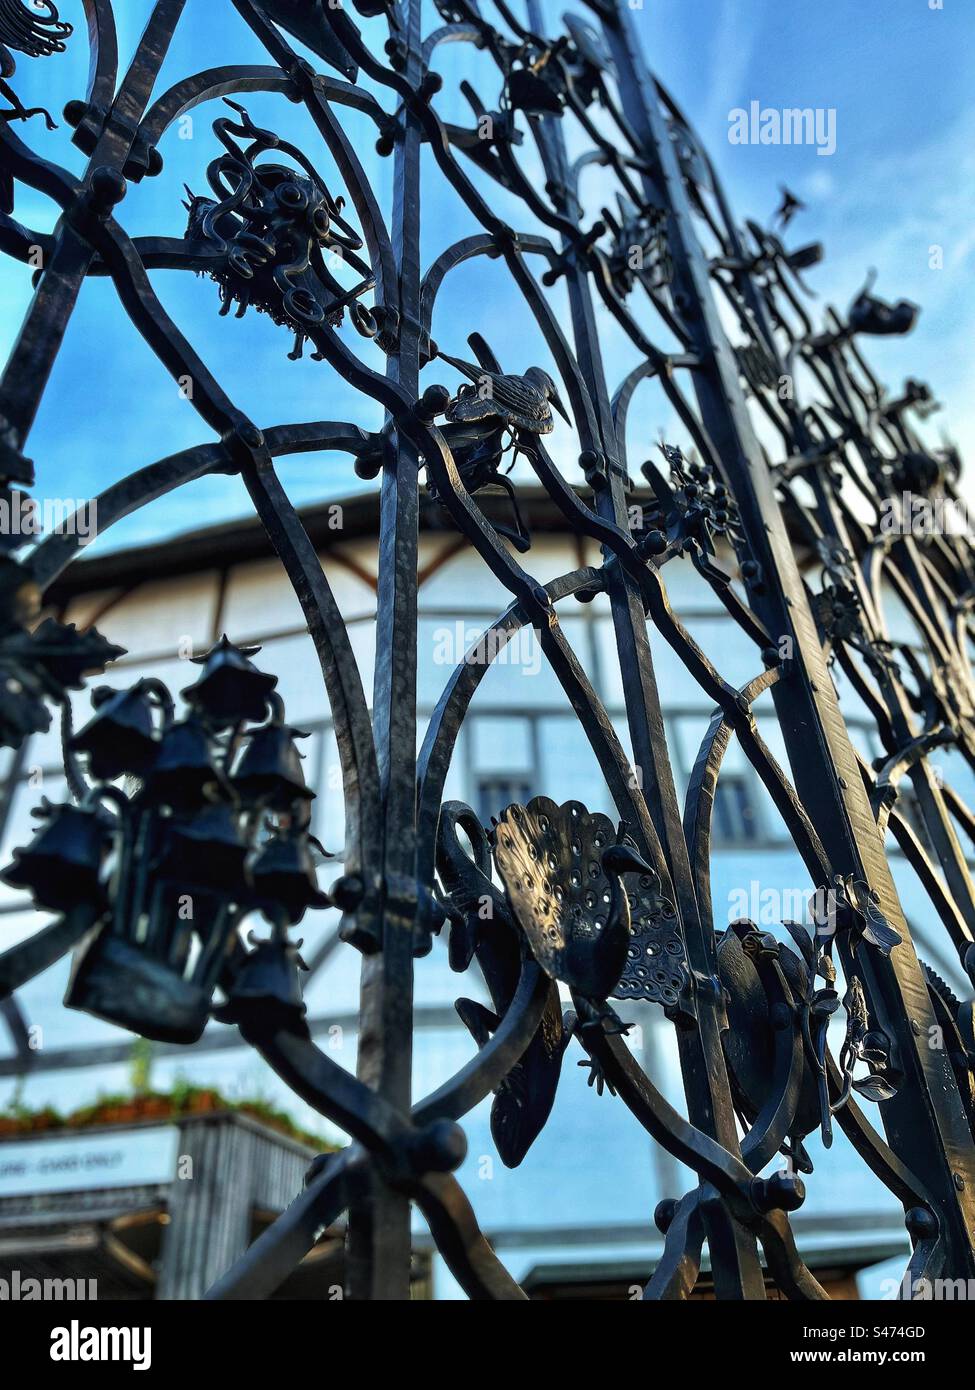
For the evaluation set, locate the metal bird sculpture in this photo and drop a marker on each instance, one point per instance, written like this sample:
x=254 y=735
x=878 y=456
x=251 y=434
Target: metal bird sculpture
x=788 y=207
x=562 y=869
x=306 y=21
x=496 y=414
x=483 y=928
x=764 y=982
x=873 y=315
x=478 y=458
x=519 y=402
x=656 y=964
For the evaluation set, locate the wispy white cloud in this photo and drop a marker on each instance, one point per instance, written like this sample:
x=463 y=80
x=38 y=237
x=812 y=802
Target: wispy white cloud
x=736 y=34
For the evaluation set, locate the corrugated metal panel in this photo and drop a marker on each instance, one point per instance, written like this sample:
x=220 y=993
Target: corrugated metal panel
x=234 y=1167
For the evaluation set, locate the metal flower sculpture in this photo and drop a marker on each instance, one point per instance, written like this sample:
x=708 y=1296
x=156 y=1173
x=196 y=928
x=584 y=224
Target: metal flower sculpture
x=273 y=227
x=39 y=662
x=178 y=826
x=692 y=508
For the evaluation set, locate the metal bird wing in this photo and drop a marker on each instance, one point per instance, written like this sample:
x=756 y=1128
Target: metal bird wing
x=590 y=45
x=550 y=861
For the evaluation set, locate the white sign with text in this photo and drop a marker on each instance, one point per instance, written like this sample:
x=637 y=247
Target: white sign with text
x=80 y=1162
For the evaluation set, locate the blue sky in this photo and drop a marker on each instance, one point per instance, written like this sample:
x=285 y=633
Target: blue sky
x=897 y=72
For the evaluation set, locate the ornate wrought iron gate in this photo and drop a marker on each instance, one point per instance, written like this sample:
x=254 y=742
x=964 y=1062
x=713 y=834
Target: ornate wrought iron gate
x=214 y=810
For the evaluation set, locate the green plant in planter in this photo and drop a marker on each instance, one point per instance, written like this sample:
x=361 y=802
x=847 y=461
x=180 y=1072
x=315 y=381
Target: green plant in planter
x=140 y=1066
x=15 y=1106
x=182 y=1098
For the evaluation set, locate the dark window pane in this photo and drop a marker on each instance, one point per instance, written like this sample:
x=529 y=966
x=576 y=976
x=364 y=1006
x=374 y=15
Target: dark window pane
x=735 y=820
x=495 y=793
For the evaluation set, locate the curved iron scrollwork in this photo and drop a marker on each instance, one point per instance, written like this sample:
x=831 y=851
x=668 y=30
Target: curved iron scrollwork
x=215 y=808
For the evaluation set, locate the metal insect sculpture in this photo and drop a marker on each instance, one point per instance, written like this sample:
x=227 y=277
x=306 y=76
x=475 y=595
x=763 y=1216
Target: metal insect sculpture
x=32 y=27
x=37 y=30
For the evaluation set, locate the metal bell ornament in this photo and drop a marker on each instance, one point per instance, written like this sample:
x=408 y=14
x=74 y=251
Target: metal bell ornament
x=61 y=866
x=266 y=994
x=269 y=770
x=284 y=878
x=184 y=770
x=206 y=851
x=187 y=865
x=231 y=689
x=121 y=738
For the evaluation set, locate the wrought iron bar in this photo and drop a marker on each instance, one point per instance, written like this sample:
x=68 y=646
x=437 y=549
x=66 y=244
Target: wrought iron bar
x=213 y=804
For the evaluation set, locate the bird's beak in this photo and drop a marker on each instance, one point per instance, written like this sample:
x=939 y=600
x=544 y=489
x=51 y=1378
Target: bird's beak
x=191 y=195
x=627 y=860
x=556 y=400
